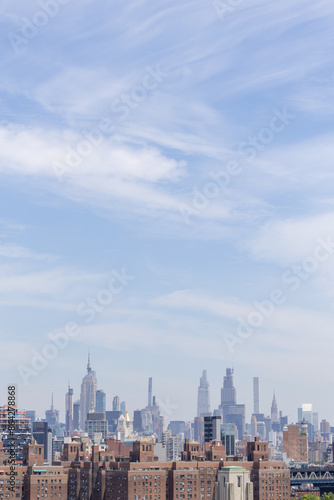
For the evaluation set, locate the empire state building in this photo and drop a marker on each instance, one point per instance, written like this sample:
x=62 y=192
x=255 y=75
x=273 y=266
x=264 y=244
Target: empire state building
x=87 y=394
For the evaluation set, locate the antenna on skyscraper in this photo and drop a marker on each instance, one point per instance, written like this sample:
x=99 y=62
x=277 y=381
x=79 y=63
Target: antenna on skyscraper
x=89 y=369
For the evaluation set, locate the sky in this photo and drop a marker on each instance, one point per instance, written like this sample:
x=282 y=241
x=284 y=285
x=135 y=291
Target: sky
x=166 y=194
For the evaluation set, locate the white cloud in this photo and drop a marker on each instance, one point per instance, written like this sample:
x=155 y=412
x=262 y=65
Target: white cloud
x=18 y=252
x=192 y=299
x=291 y=240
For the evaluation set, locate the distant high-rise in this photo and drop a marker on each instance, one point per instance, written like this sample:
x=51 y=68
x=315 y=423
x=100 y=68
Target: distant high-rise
x=96 y=423
x=32 y=415
x=171 y=442
x=300 y=414
x=325 y=427
x=307 y=412
x=160 y=427
x=76 y=415
x=43 y=435
x=228 y=392
x=69 y=409
x=87 y=395
x=123 y=408
x=212 y=426
x=274 y=410
x=253 y=426
x=116 y=405
x=150 y=391
x=137 y=421
x=232 y=412
x=203 y=399
x=228 y=438
x=52 y=415
x=315 y=421
x=100 y=401
x=199 y=429
x=256 y=395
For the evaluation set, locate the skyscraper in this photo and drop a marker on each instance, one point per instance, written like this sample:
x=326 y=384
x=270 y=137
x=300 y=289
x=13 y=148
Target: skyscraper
x=212 y=428
x=228 y=438
x=123 y=407
x=32 y=415
x=307 y=412
x=199 y=429
x=256 y=395
x=232 y=412
x=116 y=404
x=87 y=395
x=137 y=421
x=274 y=410
x=43 y=435
x=315 y=421
x=203 y=399
x=100 y=401
x=150 y=391
x=69 y=409
x=52 y=415
x=228 y=391
x=76 y=415
x=253 y=426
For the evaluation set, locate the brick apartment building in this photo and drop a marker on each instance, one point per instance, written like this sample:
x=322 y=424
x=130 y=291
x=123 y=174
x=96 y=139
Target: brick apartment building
x=295 y=444
x=136 y=474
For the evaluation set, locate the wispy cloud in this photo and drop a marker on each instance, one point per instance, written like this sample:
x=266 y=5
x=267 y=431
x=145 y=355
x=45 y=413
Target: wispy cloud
x=17 y=252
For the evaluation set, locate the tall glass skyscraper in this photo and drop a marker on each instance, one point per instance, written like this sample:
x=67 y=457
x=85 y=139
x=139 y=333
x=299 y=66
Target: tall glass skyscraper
x=203 y=400
x=100 y=401
x=228 y=433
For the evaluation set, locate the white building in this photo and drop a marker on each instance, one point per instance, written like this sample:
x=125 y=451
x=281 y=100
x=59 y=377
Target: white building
x=233 y=483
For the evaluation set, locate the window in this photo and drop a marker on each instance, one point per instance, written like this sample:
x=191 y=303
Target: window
x=239 y=481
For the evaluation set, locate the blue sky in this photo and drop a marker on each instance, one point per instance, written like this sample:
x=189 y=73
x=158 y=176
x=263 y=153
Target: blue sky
x=170 y=97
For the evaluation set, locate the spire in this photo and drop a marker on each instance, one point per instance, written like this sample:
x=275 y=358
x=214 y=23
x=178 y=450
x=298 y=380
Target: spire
x=89 y=368
x=52 y=401
x=274 y=409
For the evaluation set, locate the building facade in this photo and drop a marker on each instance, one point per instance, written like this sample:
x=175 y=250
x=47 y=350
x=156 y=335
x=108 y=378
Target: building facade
x=233 y=483
x=295 y=444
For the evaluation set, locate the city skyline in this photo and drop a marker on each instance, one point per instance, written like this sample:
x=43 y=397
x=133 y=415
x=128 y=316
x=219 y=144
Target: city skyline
x=169 y=409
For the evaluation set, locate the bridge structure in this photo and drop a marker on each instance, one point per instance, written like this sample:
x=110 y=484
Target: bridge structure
x=321 y=477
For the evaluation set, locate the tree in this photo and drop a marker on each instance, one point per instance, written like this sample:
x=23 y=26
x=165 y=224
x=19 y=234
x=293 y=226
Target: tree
x=310 y=496
x=327 y=496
